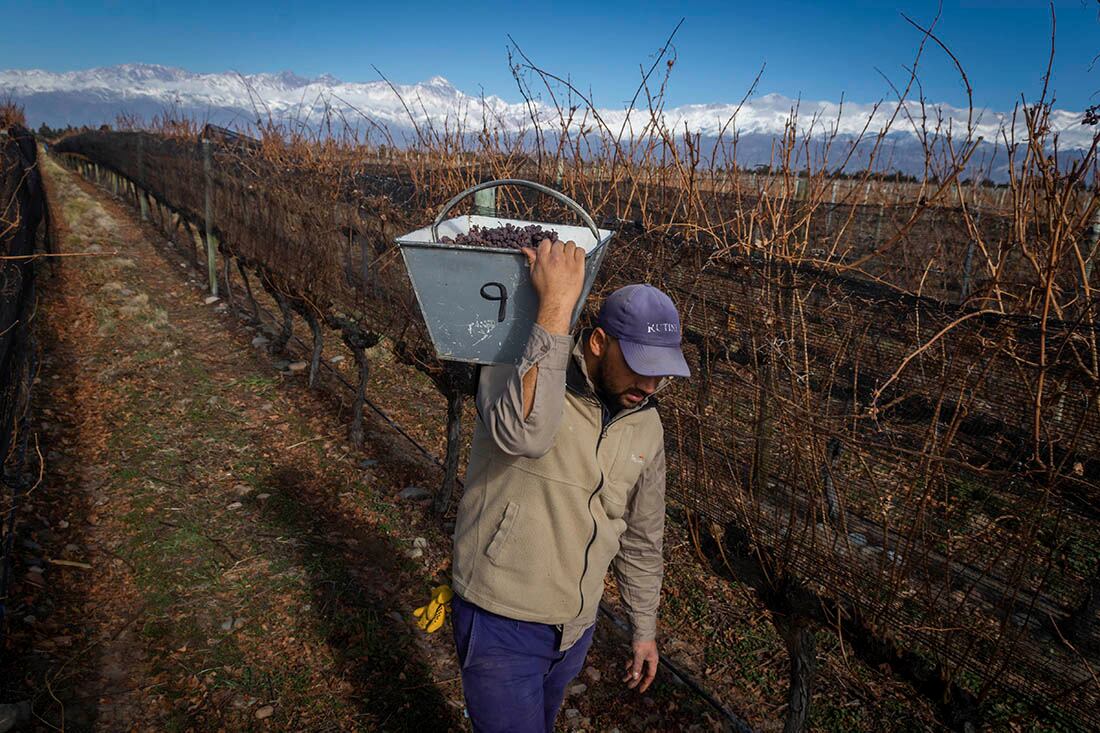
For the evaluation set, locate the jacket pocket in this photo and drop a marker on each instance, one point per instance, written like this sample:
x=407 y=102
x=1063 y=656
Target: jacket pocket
x=496 y=546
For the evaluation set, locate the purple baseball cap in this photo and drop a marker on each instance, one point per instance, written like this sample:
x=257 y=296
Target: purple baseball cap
x=647 y=327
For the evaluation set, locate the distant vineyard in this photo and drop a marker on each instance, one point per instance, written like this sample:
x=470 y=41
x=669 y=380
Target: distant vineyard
x=893 y=425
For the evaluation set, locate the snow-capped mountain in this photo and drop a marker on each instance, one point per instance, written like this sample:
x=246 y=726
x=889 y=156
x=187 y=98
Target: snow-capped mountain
x=96 y=96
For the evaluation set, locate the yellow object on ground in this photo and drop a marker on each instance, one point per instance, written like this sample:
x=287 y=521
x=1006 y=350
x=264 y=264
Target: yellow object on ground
x=431 y=616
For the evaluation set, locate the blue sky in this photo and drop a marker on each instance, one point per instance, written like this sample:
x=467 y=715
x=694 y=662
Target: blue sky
x=817 y=49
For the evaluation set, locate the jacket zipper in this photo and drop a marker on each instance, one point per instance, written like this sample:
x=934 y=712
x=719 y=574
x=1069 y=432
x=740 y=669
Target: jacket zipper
x=605 y=425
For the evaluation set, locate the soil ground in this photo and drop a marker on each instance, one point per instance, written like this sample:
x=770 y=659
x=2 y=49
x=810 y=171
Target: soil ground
x=206 y=551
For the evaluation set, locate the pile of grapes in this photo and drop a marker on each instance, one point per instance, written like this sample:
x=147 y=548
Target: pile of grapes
x=508 y=236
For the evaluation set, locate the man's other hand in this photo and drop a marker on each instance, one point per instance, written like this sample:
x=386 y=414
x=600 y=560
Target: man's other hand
x=557 y=274
x=641 y=670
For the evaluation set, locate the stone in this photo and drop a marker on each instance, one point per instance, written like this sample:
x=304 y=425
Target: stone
x=421 y=543
x=297 y=366
x=576 y=689
x=261 y=497
x=572 y=713
x=337 y=359
x=211 y=299
x=235 y=505
x=260 y=341
x=242 y=489
x=63 y=524
x=414 y=553
x=232 y=623
x=415 y=493
x=592 y=673
x=265 y=712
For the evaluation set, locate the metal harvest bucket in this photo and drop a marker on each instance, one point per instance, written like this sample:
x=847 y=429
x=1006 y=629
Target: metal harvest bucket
x=478 y=302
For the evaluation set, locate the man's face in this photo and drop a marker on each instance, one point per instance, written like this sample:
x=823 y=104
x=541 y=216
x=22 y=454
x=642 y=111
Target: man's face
x=617 y=383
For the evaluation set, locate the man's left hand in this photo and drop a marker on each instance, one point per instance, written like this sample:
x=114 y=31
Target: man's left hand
x=641 y=670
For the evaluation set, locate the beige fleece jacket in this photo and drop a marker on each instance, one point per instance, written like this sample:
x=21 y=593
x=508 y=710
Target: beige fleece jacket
x=555 y=500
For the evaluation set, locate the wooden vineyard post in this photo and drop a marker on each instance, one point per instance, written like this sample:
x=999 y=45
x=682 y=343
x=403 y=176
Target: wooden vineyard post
x=363 y=363
x=208 y=213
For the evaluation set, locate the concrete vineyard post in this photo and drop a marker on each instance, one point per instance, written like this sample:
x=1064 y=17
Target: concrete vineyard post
x=832 y=205
x=208 y=213
x=142 y=198
x=1092 y=239
x=968 y=263
x=485 y=202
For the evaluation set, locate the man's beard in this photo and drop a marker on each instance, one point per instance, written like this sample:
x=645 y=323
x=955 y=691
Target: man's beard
x=612 y=400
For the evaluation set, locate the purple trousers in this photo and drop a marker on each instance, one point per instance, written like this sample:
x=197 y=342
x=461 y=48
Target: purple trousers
x=513 y=675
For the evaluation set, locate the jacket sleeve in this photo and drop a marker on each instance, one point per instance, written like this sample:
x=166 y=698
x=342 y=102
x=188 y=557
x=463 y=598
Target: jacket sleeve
x=639 y=565
x=500 y=396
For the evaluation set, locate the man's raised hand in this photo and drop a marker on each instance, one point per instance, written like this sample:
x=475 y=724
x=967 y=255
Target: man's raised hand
x=557 y=274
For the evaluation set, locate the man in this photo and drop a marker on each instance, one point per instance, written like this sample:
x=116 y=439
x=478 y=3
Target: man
x=566 y=477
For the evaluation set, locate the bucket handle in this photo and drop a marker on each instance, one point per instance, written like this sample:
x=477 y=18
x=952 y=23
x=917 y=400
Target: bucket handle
x=557 y=195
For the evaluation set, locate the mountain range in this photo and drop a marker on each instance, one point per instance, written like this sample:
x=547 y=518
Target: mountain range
x=144 y=91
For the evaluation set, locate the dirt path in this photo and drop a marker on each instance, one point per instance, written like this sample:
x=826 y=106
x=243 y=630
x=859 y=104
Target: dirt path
x=228 y=561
